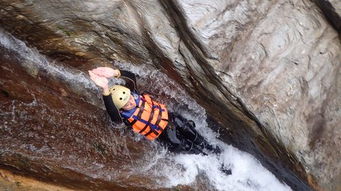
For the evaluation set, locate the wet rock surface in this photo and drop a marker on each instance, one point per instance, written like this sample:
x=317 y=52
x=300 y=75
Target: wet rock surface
x=50 y=132
x=268 y=71
x=12 y=182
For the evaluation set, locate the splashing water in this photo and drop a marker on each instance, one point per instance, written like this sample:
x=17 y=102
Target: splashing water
x=247 y=172
x=171 y=170
x=33 y=62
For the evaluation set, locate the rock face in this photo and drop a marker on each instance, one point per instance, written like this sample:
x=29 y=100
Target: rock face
x=12 y=182
x=46 y=129
x=332 y=11
x=268 y=71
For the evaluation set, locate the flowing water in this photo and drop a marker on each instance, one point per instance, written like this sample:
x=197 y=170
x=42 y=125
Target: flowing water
x=168 y=170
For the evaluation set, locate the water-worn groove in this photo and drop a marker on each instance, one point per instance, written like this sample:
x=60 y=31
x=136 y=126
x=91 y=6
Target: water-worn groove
x=286 y=174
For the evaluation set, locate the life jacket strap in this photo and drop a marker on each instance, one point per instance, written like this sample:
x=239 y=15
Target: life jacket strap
x=149 y=120
x=141 y=109
x=158 y=118
x=158 y=106
x=147 y=123
x=152 y=131
x=152 y=102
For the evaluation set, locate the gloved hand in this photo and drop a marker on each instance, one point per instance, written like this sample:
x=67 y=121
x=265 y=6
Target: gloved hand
x=106 y=72
x=99 y=80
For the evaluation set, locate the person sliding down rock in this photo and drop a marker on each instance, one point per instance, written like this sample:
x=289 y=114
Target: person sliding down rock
x=147 y=116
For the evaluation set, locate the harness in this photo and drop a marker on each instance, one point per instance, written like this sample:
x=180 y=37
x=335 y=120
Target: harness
x=149 y=118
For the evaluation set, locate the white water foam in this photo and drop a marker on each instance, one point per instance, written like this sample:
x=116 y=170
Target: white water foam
x=247 y=172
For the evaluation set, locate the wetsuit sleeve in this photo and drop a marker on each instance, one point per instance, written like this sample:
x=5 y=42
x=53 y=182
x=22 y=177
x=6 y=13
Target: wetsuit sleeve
x=130 y=79
x=113 y=112
x=111 y=109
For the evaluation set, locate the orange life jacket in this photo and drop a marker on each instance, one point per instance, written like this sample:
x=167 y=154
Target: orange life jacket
x=150 y=118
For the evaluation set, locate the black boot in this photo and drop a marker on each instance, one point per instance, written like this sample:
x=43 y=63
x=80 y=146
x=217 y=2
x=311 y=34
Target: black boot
x=190 y=138
x=225 y=170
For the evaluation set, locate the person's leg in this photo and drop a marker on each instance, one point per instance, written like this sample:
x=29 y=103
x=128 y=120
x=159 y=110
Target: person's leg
x=173 y=137
x=186 y=129
x=169 y=139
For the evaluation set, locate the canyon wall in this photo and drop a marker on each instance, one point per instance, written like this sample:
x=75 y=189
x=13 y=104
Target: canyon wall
x=267 y=71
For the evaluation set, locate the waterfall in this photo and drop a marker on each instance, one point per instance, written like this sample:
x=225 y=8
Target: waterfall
x=166 y=169
x=195 y=170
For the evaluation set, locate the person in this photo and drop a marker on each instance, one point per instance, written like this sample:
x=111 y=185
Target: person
x=147 y=116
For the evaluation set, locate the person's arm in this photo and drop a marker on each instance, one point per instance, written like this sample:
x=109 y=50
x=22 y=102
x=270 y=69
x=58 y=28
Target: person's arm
x=109 y=105
x=130 y=79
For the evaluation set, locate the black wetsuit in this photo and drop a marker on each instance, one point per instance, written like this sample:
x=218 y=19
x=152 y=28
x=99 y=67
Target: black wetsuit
x=179 y=136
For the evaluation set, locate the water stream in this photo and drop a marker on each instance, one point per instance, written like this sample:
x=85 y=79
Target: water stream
x=248 y=173
x=167 y=169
